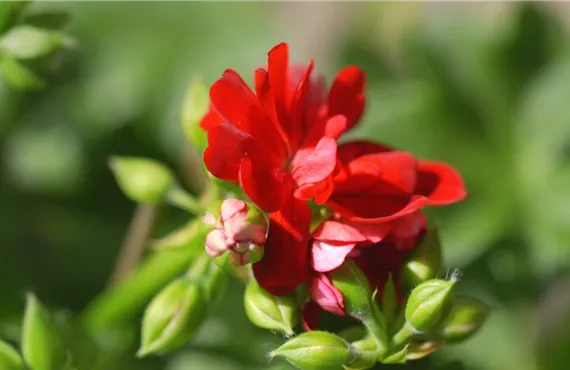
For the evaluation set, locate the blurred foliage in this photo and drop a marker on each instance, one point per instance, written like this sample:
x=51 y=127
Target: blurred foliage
x=488 y=96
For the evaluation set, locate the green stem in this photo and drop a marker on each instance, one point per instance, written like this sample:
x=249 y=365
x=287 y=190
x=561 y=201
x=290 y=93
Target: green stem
x=121 y=302
x=180 y=198
x=402 y=337
x=377 y=331
x=200 y=266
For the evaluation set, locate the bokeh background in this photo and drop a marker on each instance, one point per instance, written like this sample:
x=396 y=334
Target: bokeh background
x=483 y=86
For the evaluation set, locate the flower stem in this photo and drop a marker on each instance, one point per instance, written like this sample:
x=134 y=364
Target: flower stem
x=180 y=198
x=403 y=336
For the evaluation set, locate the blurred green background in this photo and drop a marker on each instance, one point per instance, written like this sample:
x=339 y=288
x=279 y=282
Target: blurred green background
x=483 y=86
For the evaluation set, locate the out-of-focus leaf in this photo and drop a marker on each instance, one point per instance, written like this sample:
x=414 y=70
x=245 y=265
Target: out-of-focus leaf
x=9 y=358
x=10 y=11
x=27 y=42
x=41 y=344
x=18 y=76
x=52 y=20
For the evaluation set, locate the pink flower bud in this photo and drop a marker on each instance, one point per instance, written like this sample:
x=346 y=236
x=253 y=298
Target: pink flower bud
x=240 y=231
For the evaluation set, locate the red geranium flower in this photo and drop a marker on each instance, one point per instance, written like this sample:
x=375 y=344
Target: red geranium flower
x=375 y=183
x=279 y=143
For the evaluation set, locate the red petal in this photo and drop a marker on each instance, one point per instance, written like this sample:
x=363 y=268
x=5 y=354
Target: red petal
x=388 y=174
x=278 y=64
x=346 y=95
x=327 y=257
x=320 y=191
x=440 y=183
x=326 y=294
x=312 y=165
x=311 y=316
x=336 y=232
x=238 y=105
x=210 y=119
x=299 y=127
x=267 y=101
x=351 y=150
x=227 y=146
x=373 y=209
x=265 y=186
x=285 y=263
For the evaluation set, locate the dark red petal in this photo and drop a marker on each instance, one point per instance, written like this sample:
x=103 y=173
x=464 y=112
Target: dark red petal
x=266 y=186
x=312 y=165
x=387 y=174
x=346 y=95
x=237 y=104
x=376 y=208
x=285 y=263
x=311 y=316
x=440 y=183
x=354 y=149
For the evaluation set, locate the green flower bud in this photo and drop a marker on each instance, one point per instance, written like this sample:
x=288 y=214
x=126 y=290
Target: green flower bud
x=429 y=302
x=355 y=289
x=466 y=317
x=172 y=317
x=425 y=262
x=315 y=350
x=270 y=312
x=9 y=358
x=365 y=353
x=41 y=346
x=142 y=180
x=419 y=350
x=195 y=107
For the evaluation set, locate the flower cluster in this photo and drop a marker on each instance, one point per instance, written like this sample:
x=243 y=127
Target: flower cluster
x=342 y=215
x=280 y=143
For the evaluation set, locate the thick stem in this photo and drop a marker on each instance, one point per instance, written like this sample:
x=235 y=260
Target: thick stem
x=377 y=331
x=402 y=337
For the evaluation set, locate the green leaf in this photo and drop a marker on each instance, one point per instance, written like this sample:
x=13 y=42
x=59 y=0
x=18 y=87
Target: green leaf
x=195 y=107
x=10 y=11
x=51 y=20
x=18 y=76
x=27 y=42
x=9 y=358
x=41 y=344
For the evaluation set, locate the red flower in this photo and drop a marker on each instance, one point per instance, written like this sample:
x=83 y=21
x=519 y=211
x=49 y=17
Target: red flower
x=378 y=184
x=279 y=143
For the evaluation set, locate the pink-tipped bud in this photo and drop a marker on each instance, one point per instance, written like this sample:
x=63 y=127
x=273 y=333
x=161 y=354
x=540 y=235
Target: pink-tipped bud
x=241 y=231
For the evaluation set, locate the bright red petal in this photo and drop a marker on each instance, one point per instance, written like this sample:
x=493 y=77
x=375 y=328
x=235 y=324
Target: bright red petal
x=278 y=65
x=265 y=186
x=338 y=232
x=389 y=174
x=346 y=95
x=227 y=146
x=285 y=263
x=299 y=126
x=210 y=119
x=237 y=104
x=375 y=208
x=354 y=149
x=440 y=183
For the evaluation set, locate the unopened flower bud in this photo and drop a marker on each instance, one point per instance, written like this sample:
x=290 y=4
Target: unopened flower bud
x=315 y=350
x=270 y=312
x=193 y=110
x=466 y=317
x=429 y=302
x=172 y=317
x=425 y=262
x=142 y=180
x=10 y=359
x=240 y=231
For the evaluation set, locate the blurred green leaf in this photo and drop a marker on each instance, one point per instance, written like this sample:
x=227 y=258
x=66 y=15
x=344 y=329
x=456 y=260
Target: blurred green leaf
x=41 y=344
x=10 y=12
x=50 y=19
x=9 y=358
x=19 y=76
x=27 y=42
